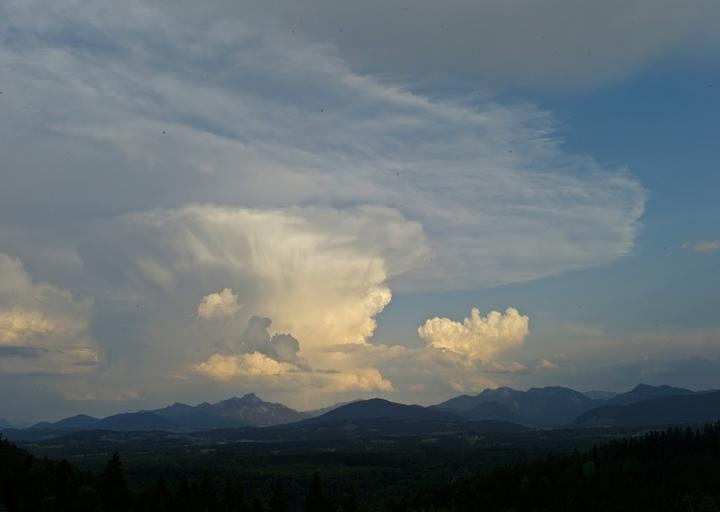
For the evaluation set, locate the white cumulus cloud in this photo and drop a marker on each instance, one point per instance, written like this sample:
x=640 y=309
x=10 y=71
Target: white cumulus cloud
x=260 y=369
x=263 y=359
x=477 y=337
x=218 y=305
x=223 y=367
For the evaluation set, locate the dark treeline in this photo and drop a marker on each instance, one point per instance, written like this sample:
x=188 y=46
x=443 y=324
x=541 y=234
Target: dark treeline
x=29 y=484
x=675 y=470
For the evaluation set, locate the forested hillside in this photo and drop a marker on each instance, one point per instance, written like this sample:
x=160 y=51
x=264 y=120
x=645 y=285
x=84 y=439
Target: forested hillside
x=676 y=470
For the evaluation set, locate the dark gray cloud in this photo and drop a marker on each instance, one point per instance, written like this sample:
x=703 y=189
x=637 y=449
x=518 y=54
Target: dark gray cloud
x=257 y=337
x=21 y=351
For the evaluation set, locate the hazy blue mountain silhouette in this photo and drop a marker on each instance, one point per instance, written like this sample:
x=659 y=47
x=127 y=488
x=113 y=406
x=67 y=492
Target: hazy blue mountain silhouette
x=129 y=421
x=694 y=408
x=644 y=391
x=552 y=405
x=377 y=408
x=493 y=411
x=248 y=410
x=600 y=394
x=546 y=406
x=78 y=422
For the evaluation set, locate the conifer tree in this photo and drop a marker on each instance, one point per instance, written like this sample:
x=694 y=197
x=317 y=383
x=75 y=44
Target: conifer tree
x=315 y=501
x=114 y=493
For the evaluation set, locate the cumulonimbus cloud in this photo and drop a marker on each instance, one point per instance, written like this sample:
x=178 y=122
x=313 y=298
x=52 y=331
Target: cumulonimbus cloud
x=477 y=337
x=321 y=274
x=276 y=170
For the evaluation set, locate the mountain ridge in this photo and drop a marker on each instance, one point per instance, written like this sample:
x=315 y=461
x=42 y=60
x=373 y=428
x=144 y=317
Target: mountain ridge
x=246 y=410
x=695 y=408
x=542 y=406
x=549 y=406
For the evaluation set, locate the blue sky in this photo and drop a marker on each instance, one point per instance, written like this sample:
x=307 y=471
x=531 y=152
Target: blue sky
x=309 y=203
x=660 y=123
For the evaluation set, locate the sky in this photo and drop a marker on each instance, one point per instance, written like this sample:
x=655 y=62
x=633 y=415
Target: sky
x=320 y=201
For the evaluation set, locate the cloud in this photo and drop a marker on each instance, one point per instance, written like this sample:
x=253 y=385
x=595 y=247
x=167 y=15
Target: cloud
x=437 y=372
x=498 y=198
x=43 y=329
x=256 y=338
x=556 y=45
x=254 y=364
x=320 y=273
x=19 y=351
x=19 y=326
x=705 y=246
x=218 y=305
x=263 y=359
x=362 y=379
x=477 y=337
x=261 y=161
x=546 y=364
x=257 y=367
x=680 y=356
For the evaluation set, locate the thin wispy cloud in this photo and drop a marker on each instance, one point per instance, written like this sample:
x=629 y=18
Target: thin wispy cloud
x=704 y=246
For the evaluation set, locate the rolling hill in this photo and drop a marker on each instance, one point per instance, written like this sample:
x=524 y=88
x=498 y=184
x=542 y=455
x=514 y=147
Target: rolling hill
x=377 y=408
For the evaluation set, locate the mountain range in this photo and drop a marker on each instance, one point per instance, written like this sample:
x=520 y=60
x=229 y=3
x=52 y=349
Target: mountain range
x=548 y=406
x=502 y=408
x=694 y=408
x=247 y=410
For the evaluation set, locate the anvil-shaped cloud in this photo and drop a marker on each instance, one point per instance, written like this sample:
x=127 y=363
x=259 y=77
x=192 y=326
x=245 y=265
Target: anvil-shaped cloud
x=184 y=162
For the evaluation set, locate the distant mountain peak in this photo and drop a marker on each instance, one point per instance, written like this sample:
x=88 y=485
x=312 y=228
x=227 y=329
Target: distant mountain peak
x=663 y=409
x=649 y=387
x=642 y=386
x=178 y=405
x=550 y=405
x=645 y=391
x=236 y=411
x=249 y=398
